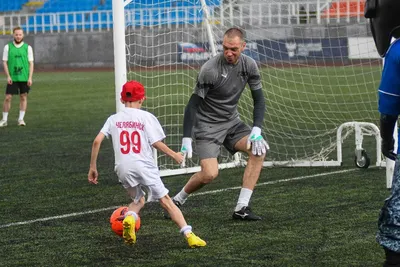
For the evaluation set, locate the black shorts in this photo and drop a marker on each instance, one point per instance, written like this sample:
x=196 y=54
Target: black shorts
x=17 y=88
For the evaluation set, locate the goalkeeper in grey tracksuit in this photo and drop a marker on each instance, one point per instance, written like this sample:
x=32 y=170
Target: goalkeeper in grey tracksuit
x=212 y=119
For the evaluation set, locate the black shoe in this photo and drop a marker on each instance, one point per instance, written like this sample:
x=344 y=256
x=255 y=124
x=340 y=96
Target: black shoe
x=166 y=214
x=245 y=214
x=392 y=258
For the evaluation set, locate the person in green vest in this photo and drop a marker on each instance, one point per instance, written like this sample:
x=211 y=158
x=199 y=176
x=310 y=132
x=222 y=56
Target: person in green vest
x=18 y=67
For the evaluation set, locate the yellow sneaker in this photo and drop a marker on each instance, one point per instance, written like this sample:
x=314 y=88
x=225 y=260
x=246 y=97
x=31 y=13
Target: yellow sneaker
x=129 y=233
x=194 y=241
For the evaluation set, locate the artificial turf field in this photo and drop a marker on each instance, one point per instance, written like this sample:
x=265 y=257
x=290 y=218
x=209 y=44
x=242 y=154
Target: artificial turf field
x=51 y=216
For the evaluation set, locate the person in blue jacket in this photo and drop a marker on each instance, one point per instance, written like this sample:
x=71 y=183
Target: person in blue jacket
x=385 y=27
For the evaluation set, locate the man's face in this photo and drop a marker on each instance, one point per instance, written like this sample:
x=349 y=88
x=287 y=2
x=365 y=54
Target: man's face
x=233 y=47
x=18 y=36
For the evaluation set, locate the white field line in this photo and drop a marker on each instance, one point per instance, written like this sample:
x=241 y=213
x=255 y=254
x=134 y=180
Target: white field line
x=75 y=214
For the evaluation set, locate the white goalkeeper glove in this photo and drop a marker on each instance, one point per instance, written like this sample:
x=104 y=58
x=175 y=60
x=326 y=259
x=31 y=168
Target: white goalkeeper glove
x=256 y=142
x=186 y=149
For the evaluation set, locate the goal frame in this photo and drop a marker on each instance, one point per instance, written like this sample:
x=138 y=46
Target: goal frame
x=120 y=67
x=120 y=75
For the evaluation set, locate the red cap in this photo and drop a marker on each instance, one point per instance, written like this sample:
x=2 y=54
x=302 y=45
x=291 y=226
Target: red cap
x=132 y=91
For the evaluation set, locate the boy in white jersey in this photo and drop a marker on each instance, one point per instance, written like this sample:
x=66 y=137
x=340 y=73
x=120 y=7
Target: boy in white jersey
x=134 y=132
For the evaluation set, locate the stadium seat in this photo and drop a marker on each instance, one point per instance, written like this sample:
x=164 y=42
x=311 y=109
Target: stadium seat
x=13 y=5
x=70 y=5
x=344 y=8
x=144 y=13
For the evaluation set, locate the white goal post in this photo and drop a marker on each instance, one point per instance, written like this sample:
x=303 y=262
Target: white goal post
x=319 y=75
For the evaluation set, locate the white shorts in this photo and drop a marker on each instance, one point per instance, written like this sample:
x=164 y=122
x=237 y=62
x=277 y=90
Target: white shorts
x=154 y=192
x=141 y=180
x=131 y=175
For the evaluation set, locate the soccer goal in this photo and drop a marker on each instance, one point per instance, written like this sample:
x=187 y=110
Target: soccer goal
x=320 y=73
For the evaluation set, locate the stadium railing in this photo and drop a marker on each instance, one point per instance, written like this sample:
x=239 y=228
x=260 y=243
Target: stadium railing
x=262 y=14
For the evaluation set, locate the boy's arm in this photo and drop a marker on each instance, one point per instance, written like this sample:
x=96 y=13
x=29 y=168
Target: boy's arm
x=93 y=174
x=159 y=145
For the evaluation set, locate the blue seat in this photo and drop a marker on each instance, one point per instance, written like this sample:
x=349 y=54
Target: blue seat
x=68 y=6
x=107 y=6
x=11 y=5
x=143 y=13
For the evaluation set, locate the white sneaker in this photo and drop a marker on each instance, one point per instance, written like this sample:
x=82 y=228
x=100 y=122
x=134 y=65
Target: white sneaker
x=3 y=123
x=20 y=123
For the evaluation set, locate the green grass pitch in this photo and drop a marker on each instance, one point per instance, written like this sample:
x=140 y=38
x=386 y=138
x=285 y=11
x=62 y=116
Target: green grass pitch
x=312 y=216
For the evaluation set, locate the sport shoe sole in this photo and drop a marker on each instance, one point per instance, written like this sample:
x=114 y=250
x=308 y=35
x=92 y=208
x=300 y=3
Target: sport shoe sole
x=129 y=233
x=245 y=214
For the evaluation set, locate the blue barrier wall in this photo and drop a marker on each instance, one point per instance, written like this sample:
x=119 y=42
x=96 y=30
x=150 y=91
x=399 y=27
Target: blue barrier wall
x=95 y=49
x=272 y=51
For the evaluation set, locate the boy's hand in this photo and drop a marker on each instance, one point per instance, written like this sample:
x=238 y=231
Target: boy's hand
x=179 y=157
x=93 y=175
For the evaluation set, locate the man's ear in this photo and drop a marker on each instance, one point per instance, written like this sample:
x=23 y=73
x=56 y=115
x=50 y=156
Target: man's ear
x=243 y=46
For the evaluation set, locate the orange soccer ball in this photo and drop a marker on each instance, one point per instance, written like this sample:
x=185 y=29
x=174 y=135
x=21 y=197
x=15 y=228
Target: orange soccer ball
x=116 y=220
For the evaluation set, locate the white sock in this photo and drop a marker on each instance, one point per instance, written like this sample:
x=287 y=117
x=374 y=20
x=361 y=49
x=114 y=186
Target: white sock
x=5 y=116
x=181 y=196
x=187 y=229
x=21 y=115
x=244 y=198
x=134 y=214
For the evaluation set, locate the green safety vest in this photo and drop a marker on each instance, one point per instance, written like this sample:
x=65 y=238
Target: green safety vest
x=18 y=64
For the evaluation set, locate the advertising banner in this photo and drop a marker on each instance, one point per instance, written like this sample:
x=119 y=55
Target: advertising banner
x=268 y=51
x=200 y=52
x=191 y=52
x=326 y=49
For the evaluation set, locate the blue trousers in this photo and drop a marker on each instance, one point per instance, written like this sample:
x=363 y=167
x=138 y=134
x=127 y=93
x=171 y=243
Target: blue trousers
x=389 y=218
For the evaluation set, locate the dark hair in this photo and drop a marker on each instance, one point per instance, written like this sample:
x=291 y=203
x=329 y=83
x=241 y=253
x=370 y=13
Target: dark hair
x=235 y=32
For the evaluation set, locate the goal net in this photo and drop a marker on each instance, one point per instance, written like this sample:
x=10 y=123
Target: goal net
x=317 y=60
